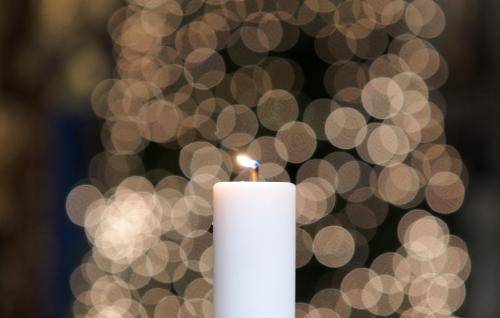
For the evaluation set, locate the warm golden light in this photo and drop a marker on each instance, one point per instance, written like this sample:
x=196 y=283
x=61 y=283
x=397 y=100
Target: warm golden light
x=247 y=162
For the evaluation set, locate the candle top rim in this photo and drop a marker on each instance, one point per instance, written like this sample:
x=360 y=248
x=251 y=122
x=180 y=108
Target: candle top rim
x=253 y=182
x=252 y=188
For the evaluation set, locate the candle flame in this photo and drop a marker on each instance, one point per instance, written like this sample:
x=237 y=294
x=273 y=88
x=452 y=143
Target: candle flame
x=247 y=162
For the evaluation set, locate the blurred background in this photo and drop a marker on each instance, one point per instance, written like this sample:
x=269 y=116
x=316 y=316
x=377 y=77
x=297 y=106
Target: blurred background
x=54 y=52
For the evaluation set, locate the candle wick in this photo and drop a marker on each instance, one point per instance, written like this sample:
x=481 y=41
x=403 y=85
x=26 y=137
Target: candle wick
x=254 y=176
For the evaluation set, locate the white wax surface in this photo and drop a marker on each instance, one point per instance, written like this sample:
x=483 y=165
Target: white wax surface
x=254 y=250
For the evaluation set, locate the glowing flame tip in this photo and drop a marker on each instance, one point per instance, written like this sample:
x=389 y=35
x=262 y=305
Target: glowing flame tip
x=247 y=162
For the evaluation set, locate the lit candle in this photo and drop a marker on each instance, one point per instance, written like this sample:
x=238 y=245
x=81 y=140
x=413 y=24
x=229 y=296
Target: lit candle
x=254 y=248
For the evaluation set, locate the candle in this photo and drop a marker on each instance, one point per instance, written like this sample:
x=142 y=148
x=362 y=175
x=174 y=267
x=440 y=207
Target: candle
x=254 y=248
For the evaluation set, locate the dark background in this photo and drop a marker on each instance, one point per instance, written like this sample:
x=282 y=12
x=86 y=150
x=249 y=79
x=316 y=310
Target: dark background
x=52 y=54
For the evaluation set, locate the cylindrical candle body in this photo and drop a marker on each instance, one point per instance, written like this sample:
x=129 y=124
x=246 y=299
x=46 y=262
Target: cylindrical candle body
x=254 y=250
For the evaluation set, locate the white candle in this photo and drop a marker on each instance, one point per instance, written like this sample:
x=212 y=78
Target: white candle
x=254 y=250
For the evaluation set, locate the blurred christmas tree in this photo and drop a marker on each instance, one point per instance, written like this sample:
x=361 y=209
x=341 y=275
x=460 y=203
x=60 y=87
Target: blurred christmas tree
x=339 y=97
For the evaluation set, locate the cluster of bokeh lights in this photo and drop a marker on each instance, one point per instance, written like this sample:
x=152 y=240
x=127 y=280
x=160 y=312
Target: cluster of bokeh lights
x=205 y=77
